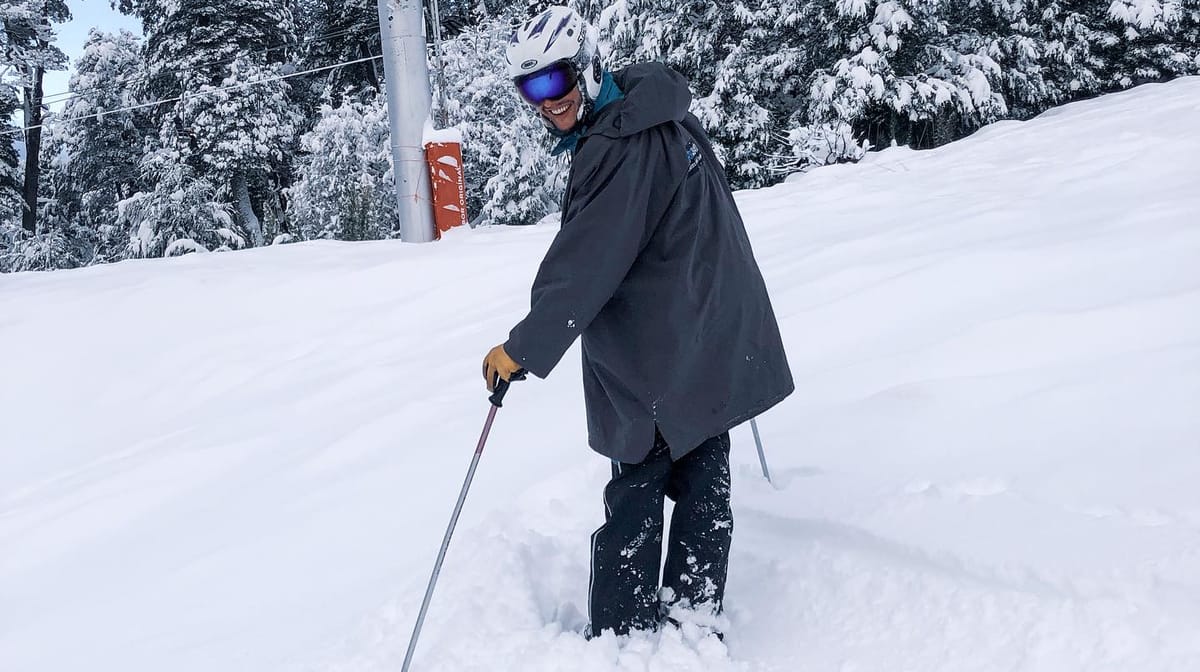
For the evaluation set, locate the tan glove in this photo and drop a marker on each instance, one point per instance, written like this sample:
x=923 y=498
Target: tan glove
x=499 y=363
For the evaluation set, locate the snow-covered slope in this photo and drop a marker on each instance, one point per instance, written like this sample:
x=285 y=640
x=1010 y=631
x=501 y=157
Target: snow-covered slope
x=246 y=461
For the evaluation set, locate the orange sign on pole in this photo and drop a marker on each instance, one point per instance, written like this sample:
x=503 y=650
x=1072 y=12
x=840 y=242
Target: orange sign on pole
x=448 y=185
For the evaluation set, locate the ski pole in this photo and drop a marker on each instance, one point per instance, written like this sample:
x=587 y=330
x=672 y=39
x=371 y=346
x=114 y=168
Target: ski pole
x=497 y=399
x=762 y=458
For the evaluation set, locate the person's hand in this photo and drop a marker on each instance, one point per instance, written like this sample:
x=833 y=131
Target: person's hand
x=499 y=363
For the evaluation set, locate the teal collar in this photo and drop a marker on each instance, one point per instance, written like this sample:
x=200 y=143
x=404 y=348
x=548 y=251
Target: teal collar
x=609 y=93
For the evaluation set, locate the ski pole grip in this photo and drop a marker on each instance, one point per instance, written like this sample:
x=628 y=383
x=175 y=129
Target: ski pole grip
x=501 y=387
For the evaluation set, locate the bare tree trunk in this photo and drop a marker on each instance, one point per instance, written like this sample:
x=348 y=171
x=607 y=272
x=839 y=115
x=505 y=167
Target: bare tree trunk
x=33 y=146
x=241 y=191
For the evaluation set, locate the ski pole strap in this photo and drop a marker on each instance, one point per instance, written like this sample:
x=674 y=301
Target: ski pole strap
x=501 y=387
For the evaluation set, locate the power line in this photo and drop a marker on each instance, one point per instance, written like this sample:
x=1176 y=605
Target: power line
x=267 y=50
x=207 y=92
x=64 y=96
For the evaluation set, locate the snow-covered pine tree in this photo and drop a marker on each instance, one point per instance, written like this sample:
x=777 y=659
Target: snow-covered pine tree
x=340 y=31
x=739 y=64
x=234 y=119
x=783 y=44
x=998 y=39
x=10 y=176
x=344 y=181
x=909 y=78
x=10 y=134
x=523 y=9
x=591 y=10
x=786 y=52
x=738 y=124
x=524 y=188
x=458 y=15
x=29 y=52
x=692 y=36
x=924 y=72
x=1055 y=51
x=758 y=87
x=12 y=234
x=60 y=242
x=240 y=129
x=1160 y=40
x=1074 y=36
x=96 y=144
x=181 y=215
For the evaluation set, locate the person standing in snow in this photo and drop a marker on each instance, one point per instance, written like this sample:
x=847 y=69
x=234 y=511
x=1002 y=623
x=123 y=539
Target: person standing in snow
x=653 y=270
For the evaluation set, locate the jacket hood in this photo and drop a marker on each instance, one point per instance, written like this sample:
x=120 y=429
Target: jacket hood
x=654 y=94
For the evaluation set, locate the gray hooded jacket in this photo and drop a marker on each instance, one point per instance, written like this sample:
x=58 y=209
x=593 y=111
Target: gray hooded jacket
x=653 y=269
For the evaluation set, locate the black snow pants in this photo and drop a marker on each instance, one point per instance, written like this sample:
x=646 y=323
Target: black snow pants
x=627 y=550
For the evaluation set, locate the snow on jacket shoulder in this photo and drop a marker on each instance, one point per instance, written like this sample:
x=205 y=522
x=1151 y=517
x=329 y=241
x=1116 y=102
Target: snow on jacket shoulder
x=653 y=269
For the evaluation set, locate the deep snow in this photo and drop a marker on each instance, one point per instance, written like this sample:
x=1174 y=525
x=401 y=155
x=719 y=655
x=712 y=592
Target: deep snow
x=246 y=461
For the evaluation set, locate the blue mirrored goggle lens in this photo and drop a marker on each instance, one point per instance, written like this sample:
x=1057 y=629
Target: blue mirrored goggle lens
x=550 y=83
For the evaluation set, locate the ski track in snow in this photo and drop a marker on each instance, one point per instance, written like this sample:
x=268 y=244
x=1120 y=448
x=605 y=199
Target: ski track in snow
x=246 y=461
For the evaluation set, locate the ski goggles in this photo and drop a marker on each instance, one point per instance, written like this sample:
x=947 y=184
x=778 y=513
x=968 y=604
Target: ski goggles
x=550 y=83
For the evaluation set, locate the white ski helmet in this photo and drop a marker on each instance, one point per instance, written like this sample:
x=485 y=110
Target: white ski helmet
x=557 y=34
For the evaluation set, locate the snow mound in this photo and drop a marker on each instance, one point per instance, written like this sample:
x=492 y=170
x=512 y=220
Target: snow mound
x=245 y=461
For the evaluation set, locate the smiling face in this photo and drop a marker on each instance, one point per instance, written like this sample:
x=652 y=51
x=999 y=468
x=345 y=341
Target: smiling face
x=563 y=112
